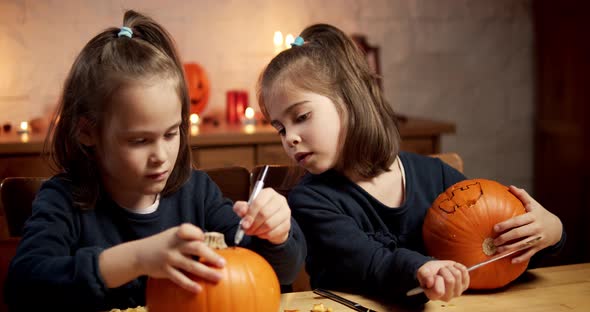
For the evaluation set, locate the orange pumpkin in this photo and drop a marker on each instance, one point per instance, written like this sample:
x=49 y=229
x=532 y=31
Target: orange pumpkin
x=459 y=227
x=249 y=284
x=198 y=87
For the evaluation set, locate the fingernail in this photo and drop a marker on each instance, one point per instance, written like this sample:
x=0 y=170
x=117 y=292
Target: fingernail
x=221 y=262
x=197 y=288
x=245 y=223
x=496 y=228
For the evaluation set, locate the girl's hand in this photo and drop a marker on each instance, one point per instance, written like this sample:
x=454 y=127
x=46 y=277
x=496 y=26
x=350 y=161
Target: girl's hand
x=537 y=221
x=268 y=217
x=170 y=255
x=443 y=279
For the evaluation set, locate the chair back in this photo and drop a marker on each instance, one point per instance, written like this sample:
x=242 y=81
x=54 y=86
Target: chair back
x=234 y=182
x=282 y=178
x=452 y=159
x=7 y=251
x=16 y=199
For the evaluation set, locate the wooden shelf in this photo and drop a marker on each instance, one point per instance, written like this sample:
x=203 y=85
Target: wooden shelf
x=220 y=146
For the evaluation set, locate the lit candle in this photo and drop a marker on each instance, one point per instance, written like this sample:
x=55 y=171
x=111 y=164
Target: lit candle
x=194 y=118
x=278 y=41
x=24 y=127
x=249 y=116
x=288 y=40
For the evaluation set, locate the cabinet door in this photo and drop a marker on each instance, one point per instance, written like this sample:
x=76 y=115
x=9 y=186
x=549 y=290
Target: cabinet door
x=272 y=154
x=217 y=157
x=24 y=166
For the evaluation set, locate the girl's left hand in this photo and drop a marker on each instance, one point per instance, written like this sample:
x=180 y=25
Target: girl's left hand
x=268 y=217
x=537 y=221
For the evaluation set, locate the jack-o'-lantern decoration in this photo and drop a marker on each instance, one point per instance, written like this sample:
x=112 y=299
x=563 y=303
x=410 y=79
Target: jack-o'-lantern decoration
x=198 y=87
x=249 y=284
x=459 y=226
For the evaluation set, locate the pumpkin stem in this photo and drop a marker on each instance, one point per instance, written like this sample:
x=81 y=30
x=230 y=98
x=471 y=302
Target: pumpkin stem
x=215 y=240
x=488 y=246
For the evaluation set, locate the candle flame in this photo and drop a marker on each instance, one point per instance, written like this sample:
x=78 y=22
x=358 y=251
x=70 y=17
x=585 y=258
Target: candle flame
x=278 y=41
x=24 y=126
x=249 y=113
x=288 y=40
x=194 y=118
x=278 y=38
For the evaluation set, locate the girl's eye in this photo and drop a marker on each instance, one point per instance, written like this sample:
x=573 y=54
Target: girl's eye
x=137 y=141
x=303 y=117
x=171 y=135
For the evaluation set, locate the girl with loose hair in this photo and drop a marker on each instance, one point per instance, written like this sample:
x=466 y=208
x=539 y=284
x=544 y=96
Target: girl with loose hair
x=362 y=204
x=127 y=205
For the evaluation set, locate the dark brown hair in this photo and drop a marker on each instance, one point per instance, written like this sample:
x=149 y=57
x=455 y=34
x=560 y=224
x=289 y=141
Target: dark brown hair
x=330 y=64
x=106 y=64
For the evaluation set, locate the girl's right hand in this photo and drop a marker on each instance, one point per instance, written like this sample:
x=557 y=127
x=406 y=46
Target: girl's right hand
x=443 y=279
x=170 y=254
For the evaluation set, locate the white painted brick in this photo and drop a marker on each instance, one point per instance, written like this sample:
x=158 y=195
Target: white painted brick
x=464 y=61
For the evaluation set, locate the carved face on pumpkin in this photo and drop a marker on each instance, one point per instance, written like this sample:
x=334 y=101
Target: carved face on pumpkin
x=198 y=87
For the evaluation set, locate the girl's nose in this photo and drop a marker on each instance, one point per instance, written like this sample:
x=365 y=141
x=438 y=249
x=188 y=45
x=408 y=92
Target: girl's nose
x=158 y=155
x=292 y=139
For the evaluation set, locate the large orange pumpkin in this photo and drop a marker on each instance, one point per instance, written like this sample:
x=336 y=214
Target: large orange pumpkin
x=249 y=284
x=459 y=227
x=198 y=87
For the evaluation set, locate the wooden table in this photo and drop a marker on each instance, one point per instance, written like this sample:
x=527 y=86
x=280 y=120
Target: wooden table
x=559 y=288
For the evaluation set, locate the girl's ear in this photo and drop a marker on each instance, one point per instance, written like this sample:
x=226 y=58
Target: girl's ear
x=86 y=132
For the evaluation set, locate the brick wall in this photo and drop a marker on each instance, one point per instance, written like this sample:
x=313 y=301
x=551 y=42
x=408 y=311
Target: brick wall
x=465 y=61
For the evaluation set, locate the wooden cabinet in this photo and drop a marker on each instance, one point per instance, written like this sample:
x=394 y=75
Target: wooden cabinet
x=220 y=146
x=211 y=147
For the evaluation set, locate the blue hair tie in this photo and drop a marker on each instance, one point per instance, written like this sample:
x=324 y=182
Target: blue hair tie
x=297 y=42
x=125 y=31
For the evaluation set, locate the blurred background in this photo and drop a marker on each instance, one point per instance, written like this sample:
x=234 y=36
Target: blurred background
x=511 y=76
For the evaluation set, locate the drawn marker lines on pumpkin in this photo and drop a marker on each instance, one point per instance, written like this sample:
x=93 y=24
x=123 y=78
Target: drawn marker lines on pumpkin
x=462 y=197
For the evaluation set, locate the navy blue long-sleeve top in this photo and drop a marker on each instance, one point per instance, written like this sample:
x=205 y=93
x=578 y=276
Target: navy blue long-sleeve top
x=56 y=264
x=358 y=244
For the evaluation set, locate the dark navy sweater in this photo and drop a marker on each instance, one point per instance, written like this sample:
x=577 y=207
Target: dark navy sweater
x=356 y=243
x=56 y=265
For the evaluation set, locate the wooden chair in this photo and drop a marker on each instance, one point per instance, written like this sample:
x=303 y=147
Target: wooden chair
x=284 y=177
x=16 y=198
x=234 y=182
x=452 y=159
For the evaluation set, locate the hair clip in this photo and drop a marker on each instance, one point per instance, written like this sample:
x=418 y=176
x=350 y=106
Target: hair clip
x=297 y=42
x=125 y=31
